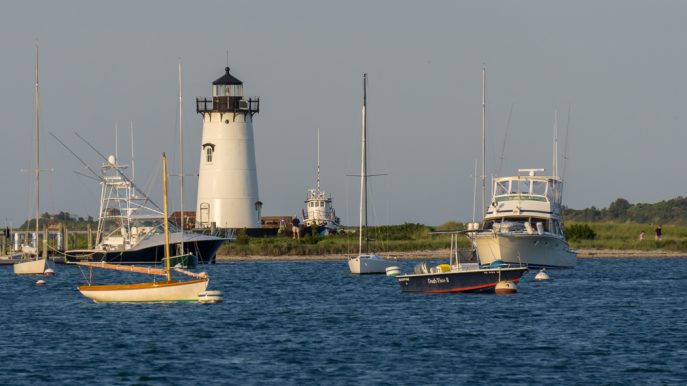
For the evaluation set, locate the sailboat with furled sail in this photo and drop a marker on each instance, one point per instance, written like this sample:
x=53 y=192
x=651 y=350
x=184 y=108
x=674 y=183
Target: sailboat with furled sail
x=167 y=290
x=31 y=262
x=366 y=262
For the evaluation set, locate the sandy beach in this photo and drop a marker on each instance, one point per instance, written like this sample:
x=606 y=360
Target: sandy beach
x=444 y=253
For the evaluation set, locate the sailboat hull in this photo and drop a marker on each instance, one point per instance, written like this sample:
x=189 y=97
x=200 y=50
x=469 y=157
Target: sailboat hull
x=30 y=267
x=153 y=292
x=366 y=264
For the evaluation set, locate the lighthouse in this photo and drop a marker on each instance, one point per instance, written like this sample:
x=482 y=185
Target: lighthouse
x=227 y=177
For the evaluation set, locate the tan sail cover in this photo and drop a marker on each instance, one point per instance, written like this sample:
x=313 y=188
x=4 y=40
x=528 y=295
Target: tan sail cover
x=126 y=268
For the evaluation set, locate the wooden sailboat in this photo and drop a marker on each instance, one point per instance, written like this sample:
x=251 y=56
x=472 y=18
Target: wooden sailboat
x=168 y=290
x=366 y=262
x=32 y=263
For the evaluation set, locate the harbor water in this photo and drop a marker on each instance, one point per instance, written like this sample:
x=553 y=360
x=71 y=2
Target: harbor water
x=608 y=321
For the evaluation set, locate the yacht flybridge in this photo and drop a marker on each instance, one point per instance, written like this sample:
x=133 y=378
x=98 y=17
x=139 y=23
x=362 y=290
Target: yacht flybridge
x=523 y=223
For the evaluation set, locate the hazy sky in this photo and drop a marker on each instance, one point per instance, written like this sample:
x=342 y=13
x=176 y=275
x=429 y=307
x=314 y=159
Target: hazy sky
x=619 y=65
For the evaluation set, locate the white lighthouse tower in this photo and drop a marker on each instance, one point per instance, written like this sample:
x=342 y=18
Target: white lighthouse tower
x=228 y=178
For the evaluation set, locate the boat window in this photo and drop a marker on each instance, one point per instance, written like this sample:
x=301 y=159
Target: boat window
x=208 y=154
x=539 y=188
x=519 y=187
x=501 y=188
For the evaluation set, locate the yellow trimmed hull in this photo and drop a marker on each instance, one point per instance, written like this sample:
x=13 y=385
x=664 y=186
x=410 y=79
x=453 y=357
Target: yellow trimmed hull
x=30 y=267
x=153 y=292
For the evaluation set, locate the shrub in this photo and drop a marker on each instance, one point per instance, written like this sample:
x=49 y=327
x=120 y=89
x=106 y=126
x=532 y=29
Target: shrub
x=580 y=232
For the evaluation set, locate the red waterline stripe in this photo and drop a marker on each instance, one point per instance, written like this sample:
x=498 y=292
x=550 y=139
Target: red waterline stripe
x=466 y=288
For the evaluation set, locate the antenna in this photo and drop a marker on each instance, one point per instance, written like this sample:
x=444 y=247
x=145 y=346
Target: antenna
x=318 y=161
x=116 y=140
x=133 y=166
x=565 y=146
x=555 y=144
x=505 y=139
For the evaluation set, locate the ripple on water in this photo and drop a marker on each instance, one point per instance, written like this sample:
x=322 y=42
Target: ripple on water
x=609 y=321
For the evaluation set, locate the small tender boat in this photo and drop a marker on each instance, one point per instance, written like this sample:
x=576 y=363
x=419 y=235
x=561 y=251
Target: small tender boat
x=459 y=277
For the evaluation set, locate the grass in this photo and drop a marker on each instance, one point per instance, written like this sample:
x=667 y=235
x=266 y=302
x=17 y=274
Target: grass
x=388 y=238
x=626 y=236
x=413 y=237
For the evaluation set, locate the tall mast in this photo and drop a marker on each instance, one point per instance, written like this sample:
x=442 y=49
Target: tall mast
x=38 y=164
x=181 y=159
x=166 y=221
x=363 y=176
x=484 y=118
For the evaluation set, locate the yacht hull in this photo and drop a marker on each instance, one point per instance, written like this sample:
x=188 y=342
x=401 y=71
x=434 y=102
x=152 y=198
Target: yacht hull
x=154 y=292
x=205 y=250
x=533 y=250
x=366 y=264
x=478 y=280
x=30 y=267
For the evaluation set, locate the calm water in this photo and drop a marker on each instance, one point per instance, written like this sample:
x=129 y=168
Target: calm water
x=606 y=322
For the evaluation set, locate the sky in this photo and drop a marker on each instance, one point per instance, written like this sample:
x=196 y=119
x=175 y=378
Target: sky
x=615 y=71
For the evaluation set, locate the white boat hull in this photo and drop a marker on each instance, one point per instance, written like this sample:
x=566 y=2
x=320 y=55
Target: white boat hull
x=160 y=292
x=30 y=267
x=369 y=264
x=534 y=250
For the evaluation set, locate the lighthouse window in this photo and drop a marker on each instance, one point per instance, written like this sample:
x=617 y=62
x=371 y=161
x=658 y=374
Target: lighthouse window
x=208 y=154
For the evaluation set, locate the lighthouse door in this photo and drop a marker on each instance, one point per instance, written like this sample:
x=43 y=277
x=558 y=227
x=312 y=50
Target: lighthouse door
x=204 y=214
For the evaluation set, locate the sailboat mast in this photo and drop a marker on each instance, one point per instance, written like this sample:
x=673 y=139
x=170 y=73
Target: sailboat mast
x=166 y=221
x=181 y=160
x=363 y=175
x=484 y=118
x=38 y=164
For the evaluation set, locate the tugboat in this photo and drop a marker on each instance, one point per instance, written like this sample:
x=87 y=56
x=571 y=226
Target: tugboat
x=319 y=211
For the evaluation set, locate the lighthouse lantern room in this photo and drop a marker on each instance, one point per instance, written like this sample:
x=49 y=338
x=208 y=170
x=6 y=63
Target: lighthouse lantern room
x=227 y=177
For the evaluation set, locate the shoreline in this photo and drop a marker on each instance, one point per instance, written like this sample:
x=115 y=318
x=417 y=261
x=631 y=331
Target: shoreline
x=443 y=254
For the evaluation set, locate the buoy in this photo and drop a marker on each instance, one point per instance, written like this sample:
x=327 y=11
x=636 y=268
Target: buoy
x=393 y=271
x=505 y=288
x=542 y=275
x=40 y=282
x=210 y=297
x=49 y=272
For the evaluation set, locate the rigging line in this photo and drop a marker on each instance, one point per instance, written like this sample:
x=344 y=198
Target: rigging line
x=121 y=174
x=505 y=139
x=97 y=176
